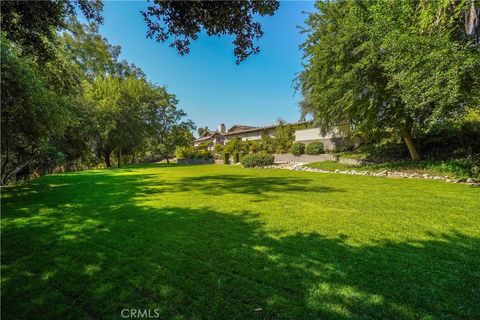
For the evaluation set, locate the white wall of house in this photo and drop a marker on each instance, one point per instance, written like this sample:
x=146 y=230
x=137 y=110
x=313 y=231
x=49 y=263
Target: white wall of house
x=316 y=134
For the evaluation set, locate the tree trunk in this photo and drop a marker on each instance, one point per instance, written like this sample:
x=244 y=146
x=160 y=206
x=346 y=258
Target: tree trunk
x=407 y=137
x=166 y=158
x=14 y=171
x=107 y=159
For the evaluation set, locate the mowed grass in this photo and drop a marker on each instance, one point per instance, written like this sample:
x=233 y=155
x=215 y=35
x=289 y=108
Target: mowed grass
x=223 y=242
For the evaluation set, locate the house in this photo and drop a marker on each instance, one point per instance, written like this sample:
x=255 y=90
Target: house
x=334 y=137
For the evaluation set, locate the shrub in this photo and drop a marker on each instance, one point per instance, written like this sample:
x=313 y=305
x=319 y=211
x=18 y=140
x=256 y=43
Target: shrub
x=297 y=148
x=253 y=146
x=236 y=145
x=257 y=160
x=204 y=154
x=218 y=148
x=266 y=144
x=236 y=157
x=186 y=152
x=314 y=148
x=204 y=145
x=242 y=154
x=190 y=152
x=226 y=157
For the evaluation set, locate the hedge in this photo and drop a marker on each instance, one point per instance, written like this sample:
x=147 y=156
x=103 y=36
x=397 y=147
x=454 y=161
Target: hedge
x=236 y=157
x=314 y=148
x=257 y=160
x=226 y=157
x=297 y=148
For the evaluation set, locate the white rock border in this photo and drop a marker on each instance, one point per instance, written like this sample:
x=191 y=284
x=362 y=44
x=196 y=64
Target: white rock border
x=384 y=173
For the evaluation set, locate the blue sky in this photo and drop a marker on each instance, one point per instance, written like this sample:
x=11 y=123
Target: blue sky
x=211 y=88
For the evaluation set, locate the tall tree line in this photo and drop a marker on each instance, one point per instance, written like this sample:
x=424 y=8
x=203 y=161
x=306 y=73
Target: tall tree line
x=80 y=105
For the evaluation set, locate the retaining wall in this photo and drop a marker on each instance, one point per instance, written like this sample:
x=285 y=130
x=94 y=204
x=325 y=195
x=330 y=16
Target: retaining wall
x=195 y=161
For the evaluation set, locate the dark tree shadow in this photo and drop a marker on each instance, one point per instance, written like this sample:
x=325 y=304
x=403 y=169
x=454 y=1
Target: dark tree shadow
x=220 y=184
x=65 y=256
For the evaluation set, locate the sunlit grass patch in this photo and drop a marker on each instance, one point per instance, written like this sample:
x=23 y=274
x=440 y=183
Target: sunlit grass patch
x=226 y=242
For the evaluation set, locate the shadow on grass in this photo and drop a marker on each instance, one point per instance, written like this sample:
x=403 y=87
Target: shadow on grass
x=85 y=249
x=221 y=184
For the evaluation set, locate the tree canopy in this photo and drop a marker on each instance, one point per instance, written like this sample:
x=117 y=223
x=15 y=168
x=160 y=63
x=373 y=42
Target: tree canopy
x=34 y=24
x=184 y=20
x=80 y=106
x=389 y=64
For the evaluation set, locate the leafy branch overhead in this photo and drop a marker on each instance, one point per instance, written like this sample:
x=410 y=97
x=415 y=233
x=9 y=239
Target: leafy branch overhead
x=184 y=20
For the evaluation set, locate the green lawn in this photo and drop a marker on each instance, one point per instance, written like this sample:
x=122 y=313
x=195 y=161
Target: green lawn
x=218 y=242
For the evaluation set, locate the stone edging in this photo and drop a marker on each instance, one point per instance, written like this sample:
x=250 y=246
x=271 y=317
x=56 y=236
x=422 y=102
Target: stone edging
x=384 y=173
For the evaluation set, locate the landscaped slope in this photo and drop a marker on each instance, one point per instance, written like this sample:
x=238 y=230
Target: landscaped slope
x=219 y=242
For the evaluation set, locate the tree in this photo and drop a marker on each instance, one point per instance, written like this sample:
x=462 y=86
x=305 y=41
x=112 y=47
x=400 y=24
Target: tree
x=34 y=24
x=373 y=64
x=185 y=20
x=235 y=146
x=201 y=131
x=283 y=137
x=166 y=125
x=37 y=104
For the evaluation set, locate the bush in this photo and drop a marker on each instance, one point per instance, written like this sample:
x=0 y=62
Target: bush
x=297 y=148
x=314 y=148
x=203 y=154
x=226 y=157
x=190 y=152
x=204 y=145
x=218 y=148
x=253 y=146
x=257 y=160
x=187 y=152
x=236 y=157
x=242 y=154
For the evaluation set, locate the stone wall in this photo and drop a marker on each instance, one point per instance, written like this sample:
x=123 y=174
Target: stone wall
x=195 y=161
x=304 y=158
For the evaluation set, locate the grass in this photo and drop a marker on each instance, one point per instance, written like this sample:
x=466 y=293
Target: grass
x=452 y=168
x=218 y=242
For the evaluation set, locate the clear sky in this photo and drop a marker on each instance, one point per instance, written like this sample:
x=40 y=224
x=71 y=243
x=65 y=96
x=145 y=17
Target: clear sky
x=211 y=88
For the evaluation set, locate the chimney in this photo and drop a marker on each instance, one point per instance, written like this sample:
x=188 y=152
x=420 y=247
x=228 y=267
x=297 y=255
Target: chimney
x=221 y=128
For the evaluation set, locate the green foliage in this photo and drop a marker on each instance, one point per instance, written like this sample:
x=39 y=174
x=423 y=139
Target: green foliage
x=314 y=148
x=283 y=138
x=184 y=22
x=204 y=145
x=241 y=154
x=81 y=102
x=257 y=160
x=235 y=146
x=185 y=152
x=189 y=152
x=297 y=148
x=218 y=148
x=468 y=167
x=267 y=144
x=226 y=157
x=236 y=157
x=201 y=131
x=204 y=154
x=361 y=68
x=38 y=103
x=253 y=145
x=33 y=25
